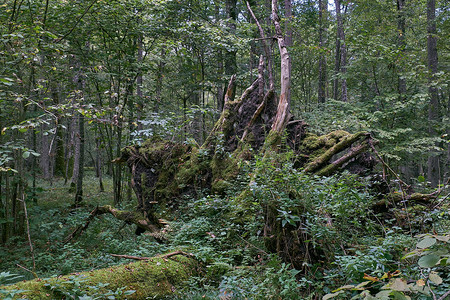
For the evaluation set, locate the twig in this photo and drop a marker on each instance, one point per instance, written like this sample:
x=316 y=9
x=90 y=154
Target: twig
x=28 y=270
x=30 y=243
x=266 y=47
x=445 y=295
x=81 y=228
x=250 y=244
x=179 y=252
x=76 y=24
x=401 y=182
x=442 y=200
x=131 y=257
x=165 y=256
x=387 y=166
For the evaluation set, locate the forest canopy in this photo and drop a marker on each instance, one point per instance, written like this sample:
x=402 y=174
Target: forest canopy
x=235 y=149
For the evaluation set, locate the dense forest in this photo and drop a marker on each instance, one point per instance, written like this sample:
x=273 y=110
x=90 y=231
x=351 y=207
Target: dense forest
x=260 y=149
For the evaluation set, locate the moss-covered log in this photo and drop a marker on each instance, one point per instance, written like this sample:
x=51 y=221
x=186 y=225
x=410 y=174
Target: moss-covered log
x=158 y=277
x=343 y=144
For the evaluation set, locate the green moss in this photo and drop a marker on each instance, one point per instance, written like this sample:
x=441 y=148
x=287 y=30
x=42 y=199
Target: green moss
x=215 y=271
x=312 y=142
x=153 y=279
x=220 y=186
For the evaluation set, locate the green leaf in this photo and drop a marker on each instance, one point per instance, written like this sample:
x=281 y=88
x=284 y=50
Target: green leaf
x=398 y=284
x=435 y=278
x=400 y=296
x=428 y=261
x=426 y=242
x=383 y=295
x=421 y=179
x=330 y=296
x=26 y=154
x=126 y=293
x=444 y=238
x=410 y=254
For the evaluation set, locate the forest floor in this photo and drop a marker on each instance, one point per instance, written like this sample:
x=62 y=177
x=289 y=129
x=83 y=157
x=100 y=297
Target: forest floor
x=353 y=250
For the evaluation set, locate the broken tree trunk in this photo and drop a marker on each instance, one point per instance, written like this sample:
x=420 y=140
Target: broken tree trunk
x=255 y=123
x=282 y=115
x=156 y=277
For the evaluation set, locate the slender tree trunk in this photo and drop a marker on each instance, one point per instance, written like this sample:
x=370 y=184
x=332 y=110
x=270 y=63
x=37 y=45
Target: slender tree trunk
x=44 y=159
x=433 y=108
x=99 y=164
x=79 y=190
x=323 y=4
x=288 y=25
x=59 y=165
x=76 y=152
x=341 y=54
x=139 y=82
x=220 y=93
x=159 y=80
x=401 y=27
x=230 y=55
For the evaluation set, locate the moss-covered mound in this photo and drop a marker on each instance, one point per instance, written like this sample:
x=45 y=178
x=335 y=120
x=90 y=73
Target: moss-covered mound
x=150 y=279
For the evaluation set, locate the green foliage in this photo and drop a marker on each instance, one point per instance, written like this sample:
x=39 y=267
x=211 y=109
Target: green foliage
x=73 y=288
x=419 y=277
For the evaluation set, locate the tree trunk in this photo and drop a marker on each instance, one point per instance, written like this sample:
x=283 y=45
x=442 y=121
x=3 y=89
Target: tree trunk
x=59 y=166
x=341 y=55
x=76 y=152
x=401 y=27
x=288 y=26
x=433 y=107
x=323 y=4
x=79 y=190
x=159 y=80
x=230 y=55
x=284 y=102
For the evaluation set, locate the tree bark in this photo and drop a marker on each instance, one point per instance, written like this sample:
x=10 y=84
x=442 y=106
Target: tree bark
x=323 y=4
x=59 y=166
x=230 y=55
x=284 y=102
x=433 y=107
x=288 y=26
x=401 y=27
x=341 y=55
x=79 y=190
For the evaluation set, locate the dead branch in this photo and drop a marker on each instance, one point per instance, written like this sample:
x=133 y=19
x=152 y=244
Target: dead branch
x=164 y=256
x=130 y=257
x=397 y=197
x=127 y=216
x=266 y=47
x=179 y=252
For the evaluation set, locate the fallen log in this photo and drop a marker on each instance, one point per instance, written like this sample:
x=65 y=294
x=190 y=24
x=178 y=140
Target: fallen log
x=396 y=197
x=152 y=278
x=129 y=217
